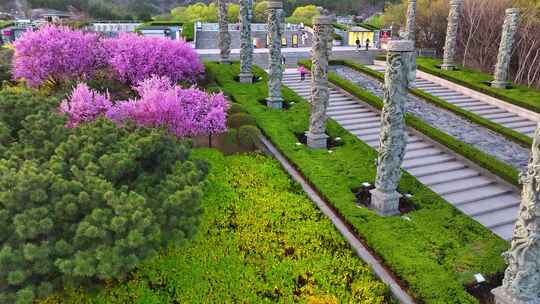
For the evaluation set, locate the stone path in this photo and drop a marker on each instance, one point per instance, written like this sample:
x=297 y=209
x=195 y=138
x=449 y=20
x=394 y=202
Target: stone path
x=496 y=113
x=492 y=203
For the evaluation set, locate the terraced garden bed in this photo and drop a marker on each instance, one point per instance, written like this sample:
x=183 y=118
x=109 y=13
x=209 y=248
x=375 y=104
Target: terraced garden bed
x=436 y=253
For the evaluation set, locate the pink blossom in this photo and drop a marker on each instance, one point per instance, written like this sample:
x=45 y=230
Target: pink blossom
x=184 y=112
x=84 y=105
x=57 y=53
x=134 y=58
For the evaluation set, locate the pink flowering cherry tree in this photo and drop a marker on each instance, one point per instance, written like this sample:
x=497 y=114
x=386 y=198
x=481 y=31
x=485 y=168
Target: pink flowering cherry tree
x=57 y=53
x=134 y=58
x=183 y=112
x=85 y=105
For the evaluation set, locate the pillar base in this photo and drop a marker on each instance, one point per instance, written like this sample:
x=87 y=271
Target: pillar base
x=499 y=84
x=502 y=297
x=225 y=61
x=317 y=141
x=274 y=103
x=245 y=78
x=448 y=67
x=385 y=204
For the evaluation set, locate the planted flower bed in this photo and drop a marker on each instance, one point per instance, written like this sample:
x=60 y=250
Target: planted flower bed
x=435 y=253
x=261 y=240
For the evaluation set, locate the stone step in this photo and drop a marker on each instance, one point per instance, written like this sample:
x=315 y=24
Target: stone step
x=345 y=102
x=469 y=104
x=430 y=160
x=522 y=123
x=440 y=168
x=363 y=125
x=421 y=153
x=451 y=93
x=333 y=107
x=504 y=231
x=354 y=121
x=461 y=185
x=504 y=120
x=472 y=195
x=358 y=109
x=479 y=107
x=449 y=176
x=441 y=90
x=367 y=131
x=498 y=115
x=368 y=138
x=417 y=146
x=488 y=205
x=358 y=115
x=529 y=129
x=498 y=218
x=492 y=111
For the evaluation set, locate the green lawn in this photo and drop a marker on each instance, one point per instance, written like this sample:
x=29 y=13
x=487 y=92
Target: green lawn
x=519 y=95
x=435 y=253
x=261 y=240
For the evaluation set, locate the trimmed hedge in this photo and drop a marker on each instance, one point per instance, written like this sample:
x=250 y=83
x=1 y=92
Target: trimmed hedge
x=434 y=254
x=518 y=95
x=518 y=137
x=188 y=31
x=261 y=241
x=484 y=160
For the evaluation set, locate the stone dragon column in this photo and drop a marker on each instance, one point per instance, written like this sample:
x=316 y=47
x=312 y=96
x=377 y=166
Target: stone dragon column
x=521 y=284
x=275 y=8
x=246 y=45
x=320 y=93
x=451 y=35
x=510 y=27
x=224 y=39
x=410 y=34
x=393 y=136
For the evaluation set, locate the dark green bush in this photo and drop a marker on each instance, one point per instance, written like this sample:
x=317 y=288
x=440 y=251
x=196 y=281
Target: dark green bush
x=85 y=204
x=237 y=120
x=6 y=56
x=236 y=108
x=249 y=136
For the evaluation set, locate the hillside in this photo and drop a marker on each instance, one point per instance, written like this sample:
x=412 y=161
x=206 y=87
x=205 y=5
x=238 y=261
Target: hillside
x=145 y=8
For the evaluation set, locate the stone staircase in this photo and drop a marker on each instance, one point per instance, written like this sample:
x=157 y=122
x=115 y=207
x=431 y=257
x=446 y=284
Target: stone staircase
x=500 y=115
x=492 y=203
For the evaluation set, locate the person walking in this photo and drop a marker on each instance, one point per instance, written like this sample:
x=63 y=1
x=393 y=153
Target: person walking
x=302 y=71
x=358 y=43
x=367 y=44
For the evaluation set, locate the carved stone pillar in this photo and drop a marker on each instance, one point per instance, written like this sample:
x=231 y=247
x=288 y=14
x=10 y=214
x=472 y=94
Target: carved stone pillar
x=275 y=8
x=510 y=27
x=410 y=34
x=320 y=93
x=521 y=284
x=246 y=45
x=451 y=35
x=393 y=135
x=224 y=39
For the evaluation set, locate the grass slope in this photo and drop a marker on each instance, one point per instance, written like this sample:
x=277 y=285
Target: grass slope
x=435 y=253
x=261 y=240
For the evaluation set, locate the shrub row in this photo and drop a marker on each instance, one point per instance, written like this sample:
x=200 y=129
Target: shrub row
x=434 y=253
x=485 y=160
x=518 y=95
x=518 y=137
x=261 y=241
x=85 y=204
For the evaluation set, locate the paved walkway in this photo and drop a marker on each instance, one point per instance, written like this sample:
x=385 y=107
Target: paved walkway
x=492 y=203
x=520 y=120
